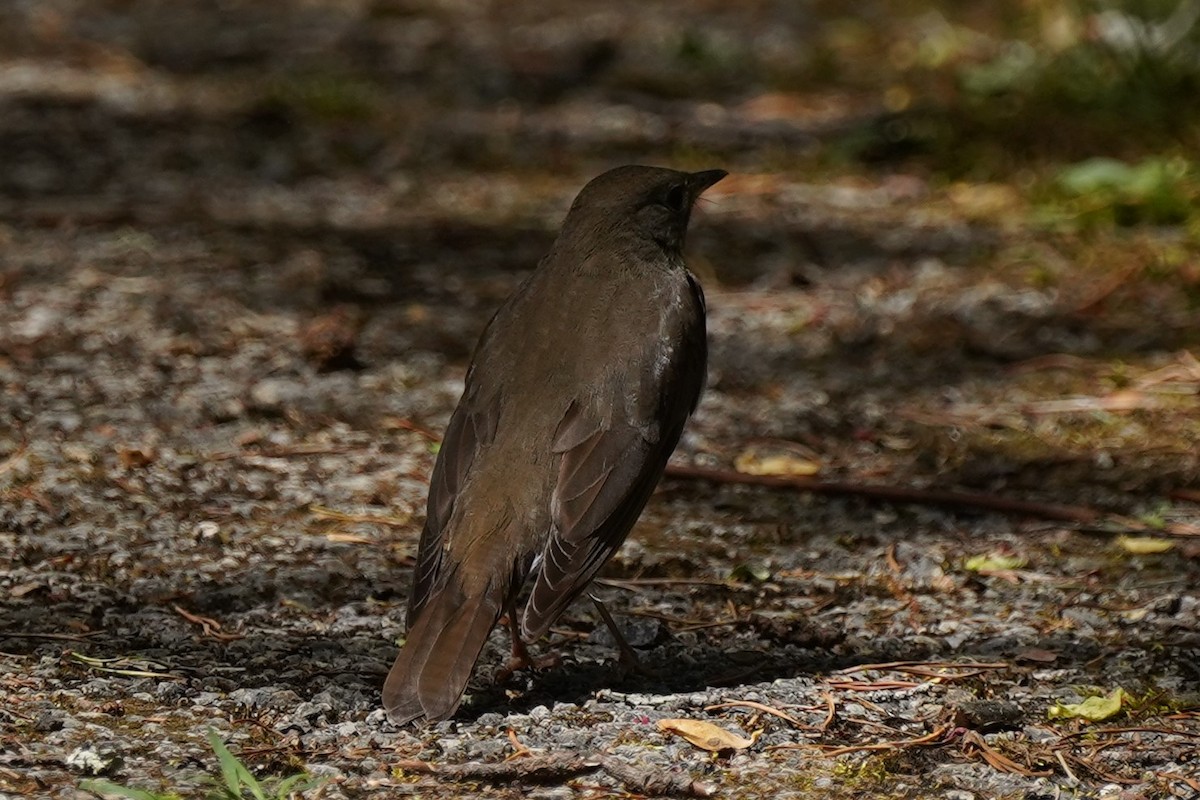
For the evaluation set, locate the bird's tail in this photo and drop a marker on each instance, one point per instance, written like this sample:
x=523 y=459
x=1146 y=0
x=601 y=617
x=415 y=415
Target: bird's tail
x=435 y=663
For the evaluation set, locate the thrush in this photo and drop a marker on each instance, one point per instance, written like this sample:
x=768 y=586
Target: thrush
x=576 y=395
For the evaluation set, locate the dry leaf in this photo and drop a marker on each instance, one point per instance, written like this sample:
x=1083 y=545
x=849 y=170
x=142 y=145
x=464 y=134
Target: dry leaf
x=705 y=735
x=1144 y=545
x=994 y=562
x=136 y=457
x=22 y=589
x=751 y=463
x=985 y=200
x=1038 y=655
x=338 y=537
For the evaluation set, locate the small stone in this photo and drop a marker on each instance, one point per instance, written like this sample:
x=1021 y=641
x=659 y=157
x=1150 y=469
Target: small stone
x=89 y=760
x=275 y=394
x=48 y=721
x=988 y=715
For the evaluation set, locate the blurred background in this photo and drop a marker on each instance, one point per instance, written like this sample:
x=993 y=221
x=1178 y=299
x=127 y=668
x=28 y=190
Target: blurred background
x=946 y=189
x=247 y=246
x=170 y=109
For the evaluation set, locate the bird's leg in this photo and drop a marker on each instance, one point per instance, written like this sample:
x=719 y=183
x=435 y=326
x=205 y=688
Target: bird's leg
x=521 y=657
x=629 y=659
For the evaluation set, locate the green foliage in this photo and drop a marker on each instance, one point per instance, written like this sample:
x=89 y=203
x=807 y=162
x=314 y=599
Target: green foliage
x=236 y=782
x=1093 y=709
x=1112 y=55
x=1154 y=191
x=109 y=789
x=328 y=97
x=750 y=573
x=1043 y=83
x=1128 y=62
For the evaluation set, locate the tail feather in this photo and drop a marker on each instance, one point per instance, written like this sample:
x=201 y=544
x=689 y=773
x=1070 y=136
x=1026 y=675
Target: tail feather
x=431 y=672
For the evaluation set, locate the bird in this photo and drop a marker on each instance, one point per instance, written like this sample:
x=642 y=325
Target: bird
x=575 y=397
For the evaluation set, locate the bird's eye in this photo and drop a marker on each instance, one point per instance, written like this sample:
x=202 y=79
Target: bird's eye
x=676 y=197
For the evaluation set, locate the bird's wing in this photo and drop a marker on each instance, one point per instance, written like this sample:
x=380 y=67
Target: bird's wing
x=613 y=449
x=472 y=427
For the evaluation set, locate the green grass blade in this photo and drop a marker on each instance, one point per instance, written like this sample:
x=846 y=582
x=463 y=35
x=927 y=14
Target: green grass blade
x=233 y=771
x=104 y=787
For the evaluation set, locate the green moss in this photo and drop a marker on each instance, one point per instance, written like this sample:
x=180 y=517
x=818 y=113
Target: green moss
x=325 y=96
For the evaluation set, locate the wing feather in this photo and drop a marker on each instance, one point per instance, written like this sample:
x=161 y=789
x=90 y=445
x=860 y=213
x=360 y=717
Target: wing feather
x=613 y=449
x=472 y=427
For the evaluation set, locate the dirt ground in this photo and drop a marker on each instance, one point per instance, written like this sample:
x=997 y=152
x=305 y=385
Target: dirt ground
x=245 y=251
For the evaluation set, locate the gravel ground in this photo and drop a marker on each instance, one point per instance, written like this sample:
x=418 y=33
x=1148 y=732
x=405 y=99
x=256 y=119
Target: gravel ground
x=223 y=379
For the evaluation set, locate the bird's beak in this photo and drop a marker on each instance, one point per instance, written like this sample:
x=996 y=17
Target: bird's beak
x=699 y=181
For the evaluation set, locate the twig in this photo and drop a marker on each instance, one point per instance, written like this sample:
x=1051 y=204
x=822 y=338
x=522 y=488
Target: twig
x=928 y=739
x=1122 y=400
x=1131 y=729
x=636 y=583
x=1066 y=768
x=65 y=637
x=832 y=703
x=973 y=741
x=766 y=709
x=903 y=665
x=404 y=424
x=559 y=767
x=1096 y=769
x=322 y=512
x=684 y=623
x=208 y=625
x=296 y=451
x=872 y=686
x=1125 y=525
x=893 y=494
x=940 y=677
x=102 y=665
x=519 y=748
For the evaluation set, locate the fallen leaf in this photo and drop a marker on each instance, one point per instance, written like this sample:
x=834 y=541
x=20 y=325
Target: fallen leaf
x=985 y=200
x=22 y=589
x=705 y=735
x=135 y=457
x=1094 y=709
x=750 y=463
x=339 y=537
x=993 y=562
x=750 y=573
x=1144 y=545
x=1038 y=655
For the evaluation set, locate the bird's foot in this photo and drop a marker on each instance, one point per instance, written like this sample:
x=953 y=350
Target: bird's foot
x=629 y=662
x=521 y=657
x=526 y=660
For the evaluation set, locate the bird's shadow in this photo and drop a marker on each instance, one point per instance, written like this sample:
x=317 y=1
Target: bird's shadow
x=679 y=668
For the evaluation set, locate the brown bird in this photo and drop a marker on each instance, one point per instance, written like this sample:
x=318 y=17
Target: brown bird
x=576 y=395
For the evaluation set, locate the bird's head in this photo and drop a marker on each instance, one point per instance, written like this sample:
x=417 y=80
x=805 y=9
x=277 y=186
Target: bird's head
x=650 y=203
